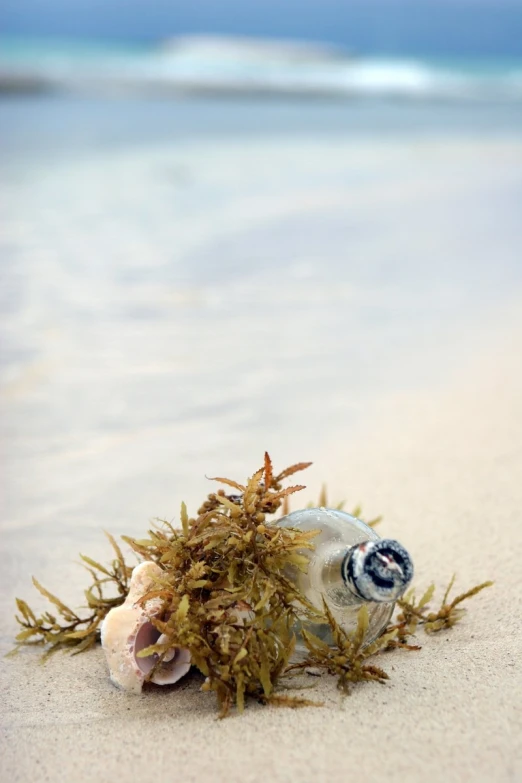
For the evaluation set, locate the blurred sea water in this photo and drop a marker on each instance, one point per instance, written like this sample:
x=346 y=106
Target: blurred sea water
x=246 y=66
x=79 y=97
x=189 y=279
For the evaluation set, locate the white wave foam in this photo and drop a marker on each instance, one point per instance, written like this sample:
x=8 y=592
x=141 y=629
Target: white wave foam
x=234 y=67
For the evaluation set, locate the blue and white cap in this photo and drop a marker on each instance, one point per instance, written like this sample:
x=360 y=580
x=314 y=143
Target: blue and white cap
x=378 y=571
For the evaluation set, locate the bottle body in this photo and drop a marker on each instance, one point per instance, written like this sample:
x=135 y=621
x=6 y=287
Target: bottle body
x=325 y=576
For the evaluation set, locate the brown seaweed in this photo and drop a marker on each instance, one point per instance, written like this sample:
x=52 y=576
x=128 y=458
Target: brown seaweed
x=226 y=598
x=64 y=628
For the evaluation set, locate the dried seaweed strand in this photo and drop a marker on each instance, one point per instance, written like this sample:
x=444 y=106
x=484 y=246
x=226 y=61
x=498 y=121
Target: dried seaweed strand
x=413 y=613
x=65 y=628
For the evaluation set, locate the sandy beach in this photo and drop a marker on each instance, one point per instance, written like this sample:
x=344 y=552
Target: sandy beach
x=171 y=313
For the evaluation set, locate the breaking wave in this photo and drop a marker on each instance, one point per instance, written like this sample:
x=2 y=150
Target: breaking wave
x=232 y=67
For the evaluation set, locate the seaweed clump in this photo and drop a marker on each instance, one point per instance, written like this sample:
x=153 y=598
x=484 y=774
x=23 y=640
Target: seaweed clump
x=225 y=594
x=226 y=597
x=413 y=613
x=347 y=658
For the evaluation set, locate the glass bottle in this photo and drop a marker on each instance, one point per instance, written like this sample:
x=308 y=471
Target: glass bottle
x=349 y=565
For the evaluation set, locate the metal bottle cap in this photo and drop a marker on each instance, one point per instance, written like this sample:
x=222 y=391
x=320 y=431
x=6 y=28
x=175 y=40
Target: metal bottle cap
x=378 y=571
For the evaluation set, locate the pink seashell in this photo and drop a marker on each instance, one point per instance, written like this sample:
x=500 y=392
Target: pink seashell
x=127 y=630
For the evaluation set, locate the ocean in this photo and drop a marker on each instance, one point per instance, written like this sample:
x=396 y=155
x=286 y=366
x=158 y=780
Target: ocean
x=60 y=97
x=247 y=66
x=190 y=276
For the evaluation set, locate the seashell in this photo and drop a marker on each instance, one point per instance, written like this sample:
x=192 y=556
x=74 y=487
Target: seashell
x=127 y=630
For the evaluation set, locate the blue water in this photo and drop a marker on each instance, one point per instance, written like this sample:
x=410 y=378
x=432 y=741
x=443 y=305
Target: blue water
x=187 y=277
x=227 y=65
x=103 y=96
x=59 y=126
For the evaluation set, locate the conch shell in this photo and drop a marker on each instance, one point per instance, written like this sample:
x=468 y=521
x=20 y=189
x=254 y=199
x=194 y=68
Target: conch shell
x=127 y=629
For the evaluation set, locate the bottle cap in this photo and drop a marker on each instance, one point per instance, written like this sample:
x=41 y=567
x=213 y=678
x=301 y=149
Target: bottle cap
x=378 y=571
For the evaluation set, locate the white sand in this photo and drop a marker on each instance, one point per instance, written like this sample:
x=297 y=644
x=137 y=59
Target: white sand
x=434 y=442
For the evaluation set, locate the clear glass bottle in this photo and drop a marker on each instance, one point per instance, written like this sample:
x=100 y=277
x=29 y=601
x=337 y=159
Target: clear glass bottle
x=349 y=565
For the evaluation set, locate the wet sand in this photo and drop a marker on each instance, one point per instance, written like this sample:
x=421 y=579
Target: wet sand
x=171 y=314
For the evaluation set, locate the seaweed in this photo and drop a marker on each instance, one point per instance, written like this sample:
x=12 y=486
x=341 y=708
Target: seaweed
x=347 y=658
x=65 y=628
x=356 y=512
x=447 y=615
x=226 y=595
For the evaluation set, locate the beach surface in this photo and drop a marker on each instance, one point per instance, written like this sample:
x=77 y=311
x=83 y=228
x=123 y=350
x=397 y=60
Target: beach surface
x=169 y=314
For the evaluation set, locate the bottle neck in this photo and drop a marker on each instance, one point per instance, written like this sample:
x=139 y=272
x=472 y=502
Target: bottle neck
x=334 y=586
